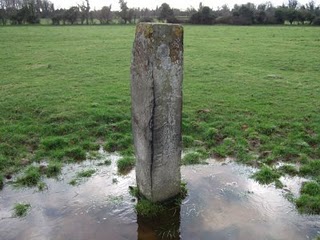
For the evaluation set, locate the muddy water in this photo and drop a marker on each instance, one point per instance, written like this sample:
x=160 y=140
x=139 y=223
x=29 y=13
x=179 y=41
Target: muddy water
x=223 y=203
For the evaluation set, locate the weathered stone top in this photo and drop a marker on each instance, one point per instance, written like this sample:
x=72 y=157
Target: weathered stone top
x=162 y=33
x=160 y=30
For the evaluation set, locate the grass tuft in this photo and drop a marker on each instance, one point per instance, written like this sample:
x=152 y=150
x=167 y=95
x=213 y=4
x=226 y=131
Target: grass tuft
x=42 y=186
x=183 y=190
x=53 y=169
x=83 y=174
x=105 y=163
x=288 y=169
x=147 y=208
x=134 y=191
x=73 y=182
x=196 y=157
x=1 y=181
x=76 y=153
x=308 y=204
x=311 y=188
x=312 y=168
x=30 y=178
x=51 y=143
x=21 y=209
x=225 y=149
x=187 y=141
x=118 y=143
x=309 y=201
x=125 y=164
x=266 y=175
x=86 y=173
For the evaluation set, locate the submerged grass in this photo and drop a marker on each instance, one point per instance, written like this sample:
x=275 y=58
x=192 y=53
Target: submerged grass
x=42 y=186
x=86 y=173
x=148 y=209
x=105 y=163
x=288 y=169
x=249 y=92
x=53 y=169
x=33 y=174
x=1 y=181
x=31 y=177
x=21 y=209
x=80 y=175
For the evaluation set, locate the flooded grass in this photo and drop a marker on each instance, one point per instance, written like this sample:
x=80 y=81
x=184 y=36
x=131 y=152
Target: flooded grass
x=125 y=164
x=53 y=169
x=311 y=188
x=42 y=186
x=1 y=181
x=195 y=157
x=149 y=209
x=222 y=202
x=73 y=182
x=266 y=175
x=309 y=201
x=288 y=169
x=30 y=177
x=308 y=204
x=106 y=162
x=21 y=209
x=86 y=173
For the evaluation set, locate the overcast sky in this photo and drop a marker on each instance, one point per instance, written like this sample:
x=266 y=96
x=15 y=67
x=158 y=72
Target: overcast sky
x=151 y=4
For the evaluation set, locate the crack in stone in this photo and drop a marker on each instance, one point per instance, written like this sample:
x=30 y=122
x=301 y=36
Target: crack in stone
x=151 y=126
x=156 y=108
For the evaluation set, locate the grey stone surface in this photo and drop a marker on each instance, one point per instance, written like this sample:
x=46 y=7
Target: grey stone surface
x=156 y=91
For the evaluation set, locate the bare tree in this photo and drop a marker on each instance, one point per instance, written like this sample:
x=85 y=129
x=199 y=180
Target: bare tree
x=292 y=4
x=87 y=11
x=105 y=15
x=124 y=13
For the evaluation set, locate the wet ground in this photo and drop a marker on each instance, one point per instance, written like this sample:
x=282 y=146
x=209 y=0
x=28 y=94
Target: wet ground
x=223 y=203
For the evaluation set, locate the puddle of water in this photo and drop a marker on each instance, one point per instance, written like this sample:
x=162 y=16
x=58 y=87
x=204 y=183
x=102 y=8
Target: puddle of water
x=223 y=203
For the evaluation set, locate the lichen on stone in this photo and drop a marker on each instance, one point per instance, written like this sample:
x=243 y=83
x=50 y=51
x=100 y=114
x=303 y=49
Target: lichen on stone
x=175 y=50
x=178 y=31
x=148 y=32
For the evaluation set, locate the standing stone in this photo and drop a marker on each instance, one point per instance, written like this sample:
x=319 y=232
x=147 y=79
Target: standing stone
x=156 y=91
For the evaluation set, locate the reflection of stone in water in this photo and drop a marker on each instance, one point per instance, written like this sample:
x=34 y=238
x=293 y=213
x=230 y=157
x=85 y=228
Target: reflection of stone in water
x=222 y=203
x=165 y=226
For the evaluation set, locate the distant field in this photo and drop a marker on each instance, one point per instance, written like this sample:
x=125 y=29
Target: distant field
x=249 y=92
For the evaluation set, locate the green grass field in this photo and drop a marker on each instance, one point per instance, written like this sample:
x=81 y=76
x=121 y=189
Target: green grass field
x=249 y=92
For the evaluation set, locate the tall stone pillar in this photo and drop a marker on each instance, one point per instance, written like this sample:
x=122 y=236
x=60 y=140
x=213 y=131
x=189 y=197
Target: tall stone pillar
x=156 y=92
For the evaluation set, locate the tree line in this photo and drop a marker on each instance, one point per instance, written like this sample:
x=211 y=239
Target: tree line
x=18 y=12
x=248 y=14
